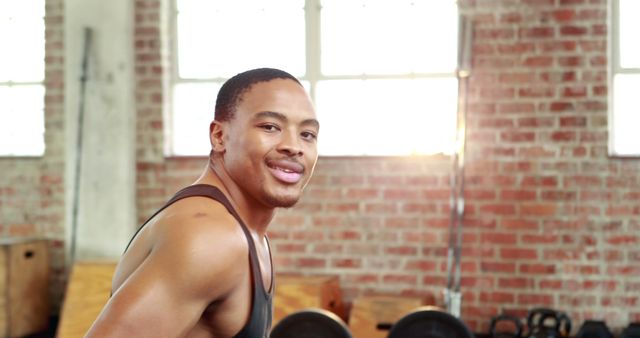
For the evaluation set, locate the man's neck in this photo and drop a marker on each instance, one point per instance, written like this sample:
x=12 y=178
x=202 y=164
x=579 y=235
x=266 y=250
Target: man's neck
x=255 y=215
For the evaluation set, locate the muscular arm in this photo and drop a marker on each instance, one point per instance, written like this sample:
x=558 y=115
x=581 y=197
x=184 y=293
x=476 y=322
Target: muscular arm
x=167 y=294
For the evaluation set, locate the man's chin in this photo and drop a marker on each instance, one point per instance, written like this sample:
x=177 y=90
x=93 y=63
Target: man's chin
x=283 y=201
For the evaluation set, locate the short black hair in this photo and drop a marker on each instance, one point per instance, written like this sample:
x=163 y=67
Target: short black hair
x=231 y=91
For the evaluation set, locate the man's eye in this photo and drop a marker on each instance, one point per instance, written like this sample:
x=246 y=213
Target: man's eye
x=309 y=135
x=269 y=127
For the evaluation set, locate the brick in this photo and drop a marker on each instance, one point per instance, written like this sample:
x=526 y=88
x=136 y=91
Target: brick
x=537 y=32
x=538 y=61
x=511 y=17
x=400 y=279
x=573 y=121
x=563 y=136
x=519 y=224
x=570 y=61
x=401 y=194
x=535 y=299
x=497 y=297
x=515 y=283
x=421 y=265
x=515 y=136
x=350 y=263
x=496 y=122
x=311 y=263
x=493 y=34
x=519 y=107
x=573 y=30
x=518 y=195
x=498 y=209
x=541 y=181
x=553 y=46
x=536 y=122
x=518 y=254
x=517 y=48
x=563 y=15
x=498 y=238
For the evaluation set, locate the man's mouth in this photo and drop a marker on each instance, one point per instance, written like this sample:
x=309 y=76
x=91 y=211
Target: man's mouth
x=285 y=170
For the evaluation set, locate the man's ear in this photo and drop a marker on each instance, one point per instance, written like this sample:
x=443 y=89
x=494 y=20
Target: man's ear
x=216 y=136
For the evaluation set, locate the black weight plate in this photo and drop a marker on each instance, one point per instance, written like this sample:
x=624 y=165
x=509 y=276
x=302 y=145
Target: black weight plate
x=631 y=331
x=429 y=322
x=594 y=329
x=311 y=323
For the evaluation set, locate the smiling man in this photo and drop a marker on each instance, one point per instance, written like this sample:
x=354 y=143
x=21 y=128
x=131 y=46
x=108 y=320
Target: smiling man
x=201 y=266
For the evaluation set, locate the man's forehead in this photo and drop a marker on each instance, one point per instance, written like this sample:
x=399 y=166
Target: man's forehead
x=279 y=95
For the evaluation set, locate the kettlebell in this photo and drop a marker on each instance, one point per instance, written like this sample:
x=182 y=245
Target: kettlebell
x=565 y=324
x=594 y=329
x=539 y=326
x=517 y=327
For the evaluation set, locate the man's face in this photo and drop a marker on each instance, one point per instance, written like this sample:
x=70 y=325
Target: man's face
x=271 y=142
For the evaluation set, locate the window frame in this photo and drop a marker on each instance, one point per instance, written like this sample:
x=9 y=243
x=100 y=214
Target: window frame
x=614 y=68
x=313 y=72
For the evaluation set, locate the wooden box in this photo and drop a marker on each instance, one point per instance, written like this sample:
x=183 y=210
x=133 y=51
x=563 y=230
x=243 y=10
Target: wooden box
x=294 y=293
x=372 y=316
x=24 y=287
x=88 y=291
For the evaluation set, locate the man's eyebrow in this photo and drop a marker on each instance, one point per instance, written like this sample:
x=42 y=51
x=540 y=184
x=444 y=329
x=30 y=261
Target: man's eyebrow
x=283 y=118
x=271 y=114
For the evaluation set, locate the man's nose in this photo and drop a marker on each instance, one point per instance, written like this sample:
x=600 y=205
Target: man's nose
x=290 y=144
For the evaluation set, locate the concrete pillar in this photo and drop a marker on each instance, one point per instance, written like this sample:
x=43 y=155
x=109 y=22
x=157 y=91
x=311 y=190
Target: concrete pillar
x=106 y=209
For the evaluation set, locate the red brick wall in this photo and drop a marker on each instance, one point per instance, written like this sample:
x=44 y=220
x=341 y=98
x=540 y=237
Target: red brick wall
x=550 y=219
x=558 y=219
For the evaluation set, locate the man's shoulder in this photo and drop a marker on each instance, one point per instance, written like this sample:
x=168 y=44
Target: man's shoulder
x=201 y=227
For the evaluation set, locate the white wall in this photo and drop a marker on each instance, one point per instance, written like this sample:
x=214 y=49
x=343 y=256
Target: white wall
x=106 y=217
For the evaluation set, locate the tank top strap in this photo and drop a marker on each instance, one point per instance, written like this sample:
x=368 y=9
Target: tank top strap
x=203 y=190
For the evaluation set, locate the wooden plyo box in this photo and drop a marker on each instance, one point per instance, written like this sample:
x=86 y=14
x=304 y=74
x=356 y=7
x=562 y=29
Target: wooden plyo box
x=370 y=313
x=88 y=291
x=24 y=287
x=295 y=293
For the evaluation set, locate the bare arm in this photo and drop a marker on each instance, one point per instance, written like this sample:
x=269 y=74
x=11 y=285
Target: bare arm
x=167 y=294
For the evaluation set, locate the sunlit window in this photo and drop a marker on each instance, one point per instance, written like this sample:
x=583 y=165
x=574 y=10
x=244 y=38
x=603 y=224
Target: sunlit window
x=381 y=73
x=625 y=70
x=21 y=78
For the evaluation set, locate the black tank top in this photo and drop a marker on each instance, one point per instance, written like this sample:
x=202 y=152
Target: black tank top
x=259 y=323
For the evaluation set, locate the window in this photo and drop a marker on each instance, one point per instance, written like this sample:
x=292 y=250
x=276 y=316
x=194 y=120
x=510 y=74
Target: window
x=21 y=78
x=624 y=108
x=381 y=73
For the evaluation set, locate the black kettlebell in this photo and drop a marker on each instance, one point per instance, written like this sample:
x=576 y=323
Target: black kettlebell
x=515 y=333
x=543 y=323
x=594 y=329
x=565 y=324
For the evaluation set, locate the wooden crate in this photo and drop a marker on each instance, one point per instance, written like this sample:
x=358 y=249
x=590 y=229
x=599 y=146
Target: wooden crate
x=24 y=287
x=368 y=312
x=88 y=291
x=294 y=293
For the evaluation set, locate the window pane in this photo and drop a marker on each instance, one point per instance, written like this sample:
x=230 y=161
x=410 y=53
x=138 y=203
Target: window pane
x=388 y=37
x=629 y=28
x=193 y=110
x=626 y=114
x=223 y=38
x=22 y=120
x=386 y=117
x=22 y=29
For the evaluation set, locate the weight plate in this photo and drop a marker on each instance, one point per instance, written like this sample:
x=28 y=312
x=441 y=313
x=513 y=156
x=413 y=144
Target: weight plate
x=429 y=322
x=311 y=323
